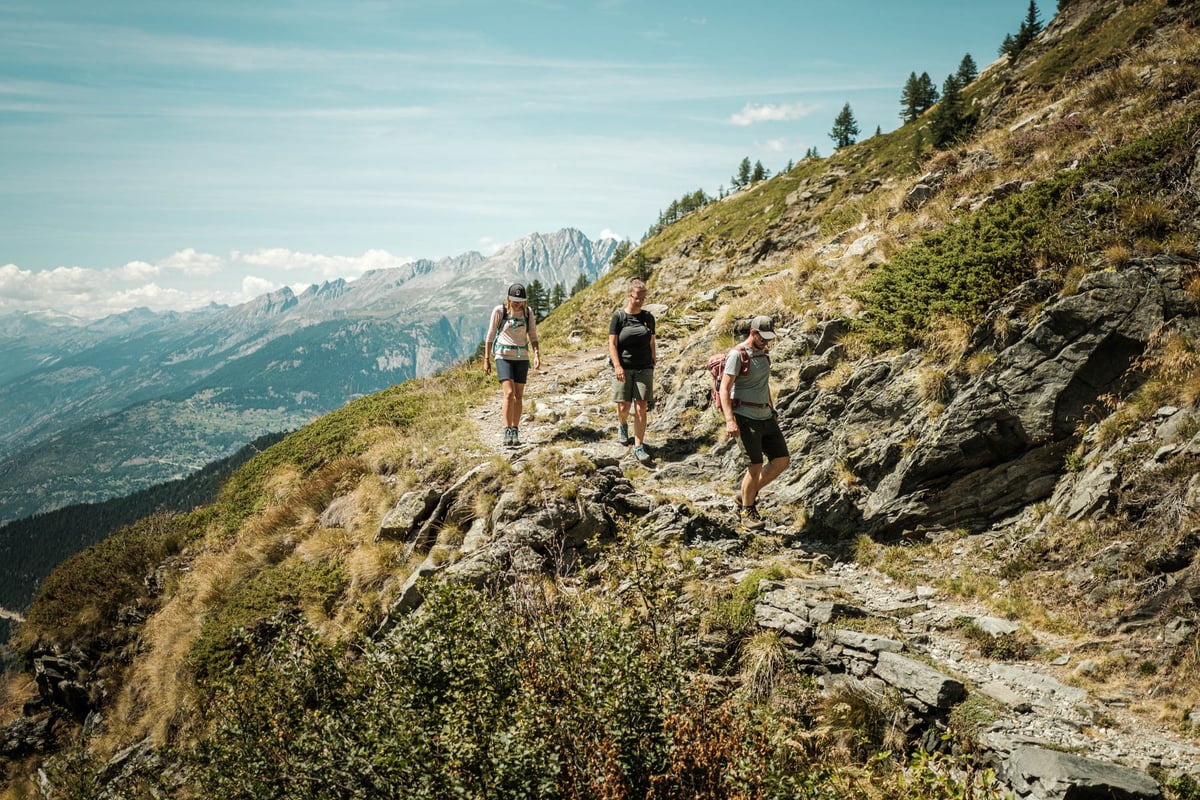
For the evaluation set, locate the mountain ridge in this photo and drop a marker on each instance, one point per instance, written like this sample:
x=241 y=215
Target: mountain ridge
x=419 y=318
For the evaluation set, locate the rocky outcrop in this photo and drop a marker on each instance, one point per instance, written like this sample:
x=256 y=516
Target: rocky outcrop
x=1036 y=717
x=999 y=442
x=1041 y=774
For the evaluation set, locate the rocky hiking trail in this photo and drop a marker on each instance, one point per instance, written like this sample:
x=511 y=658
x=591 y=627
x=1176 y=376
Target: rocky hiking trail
x=1046 y=736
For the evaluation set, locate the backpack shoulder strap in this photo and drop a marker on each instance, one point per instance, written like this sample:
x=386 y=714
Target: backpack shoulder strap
x=744 y=354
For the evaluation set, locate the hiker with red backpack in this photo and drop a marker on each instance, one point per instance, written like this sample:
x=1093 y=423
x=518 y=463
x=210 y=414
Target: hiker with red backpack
x=633 y=352
x=750 y=417
x=511 y=339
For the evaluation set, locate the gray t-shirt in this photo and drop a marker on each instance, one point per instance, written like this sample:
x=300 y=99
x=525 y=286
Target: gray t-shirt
x=753 y=386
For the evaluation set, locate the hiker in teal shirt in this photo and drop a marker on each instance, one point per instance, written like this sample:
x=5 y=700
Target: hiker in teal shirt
x=750 y=416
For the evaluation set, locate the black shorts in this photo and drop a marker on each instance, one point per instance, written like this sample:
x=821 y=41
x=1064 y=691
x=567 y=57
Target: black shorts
x=761 y=437
x=515 y=371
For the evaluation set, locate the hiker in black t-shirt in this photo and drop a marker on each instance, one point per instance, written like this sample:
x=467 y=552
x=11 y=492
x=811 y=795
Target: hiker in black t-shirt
x=633 y=352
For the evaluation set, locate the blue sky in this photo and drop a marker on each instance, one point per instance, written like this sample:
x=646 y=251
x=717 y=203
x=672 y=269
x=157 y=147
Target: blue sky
x=166 y=154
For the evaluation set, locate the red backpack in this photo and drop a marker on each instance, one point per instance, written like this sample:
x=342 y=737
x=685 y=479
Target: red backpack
x=716 y=368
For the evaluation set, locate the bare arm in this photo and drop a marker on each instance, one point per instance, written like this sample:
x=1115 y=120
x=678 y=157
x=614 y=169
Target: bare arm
x=615 y=357
x=731 y=426
x=487 y=343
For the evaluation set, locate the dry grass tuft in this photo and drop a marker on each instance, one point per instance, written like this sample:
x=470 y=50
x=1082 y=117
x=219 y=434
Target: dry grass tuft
x=978 y=362
x=837 y=376
x=1117 y=256
x=947 y=340
x=763 y=660
x=933 y=385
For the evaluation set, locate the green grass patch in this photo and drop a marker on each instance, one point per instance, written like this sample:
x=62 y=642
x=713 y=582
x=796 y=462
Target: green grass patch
x=1102 y=38
x=257 y=611
x=83 y=595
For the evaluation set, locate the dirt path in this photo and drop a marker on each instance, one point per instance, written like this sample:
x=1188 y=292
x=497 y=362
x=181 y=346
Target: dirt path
x=581 y=373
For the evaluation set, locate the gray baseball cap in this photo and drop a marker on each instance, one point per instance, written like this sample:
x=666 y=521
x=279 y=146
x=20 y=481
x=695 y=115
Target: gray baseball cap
x=764 y=326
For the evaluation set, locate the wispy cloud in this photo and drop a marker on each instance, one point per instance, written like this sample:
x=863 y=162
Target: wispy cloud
x=329 y=267
x=181 y=281
x=752 y=113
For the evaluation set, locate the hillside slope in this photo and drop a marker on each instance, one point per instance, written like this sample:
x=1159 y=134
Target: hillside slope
x=978 y=576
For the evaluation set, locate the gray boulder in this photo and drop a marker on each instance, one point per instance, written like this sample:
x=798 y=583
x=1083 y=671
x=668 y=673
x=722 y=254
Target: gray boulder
x=1041 y=774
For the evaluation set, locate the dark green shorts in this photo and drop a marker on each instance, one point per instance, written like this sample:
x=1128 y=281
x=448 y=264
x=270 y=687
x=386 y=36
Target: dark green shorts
x=638 y=385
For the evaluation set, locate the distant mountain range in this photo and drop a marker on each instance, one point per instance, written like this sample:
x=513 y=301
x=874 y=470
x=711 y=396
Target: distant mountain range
x=97 y=409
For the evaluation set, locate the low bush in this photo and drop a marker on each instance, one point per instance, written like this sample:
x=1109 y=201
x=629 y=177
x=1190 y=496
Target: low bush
x=83 y=595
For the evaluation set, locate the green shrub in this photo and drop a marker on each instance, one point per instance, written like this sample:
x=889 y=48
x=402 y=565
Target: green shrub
x=83 y=595
x=736 y=612
x=959 y=271
x=259 y=611
x=1056 y=224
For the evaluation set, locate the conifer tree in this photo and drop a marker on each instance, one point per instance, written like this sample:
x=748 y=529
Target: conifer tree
x=581 y=282
x=557 y=295
x=910 y=98
x=790 y=166
x=967 y=71
x=947 y=122
x=811 y=153
x=927 y=93
x=1009 y=46
x=619 y=252
x=536 y=298
x=742 y=178
x=1030 y=27
x=845 y=128
x=759 y=174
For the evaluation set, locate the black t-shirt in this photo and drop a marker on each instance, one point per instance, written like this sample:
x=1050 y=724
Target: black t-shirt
x=633 y=332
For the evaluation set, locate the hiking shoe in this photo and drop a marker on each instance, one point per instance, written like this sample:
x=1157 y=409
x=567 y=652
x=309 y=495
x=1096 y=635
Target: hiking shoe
x=516 y=437
x=640 y=454
x=749 y=518
x=623 y=434
x=510 y=437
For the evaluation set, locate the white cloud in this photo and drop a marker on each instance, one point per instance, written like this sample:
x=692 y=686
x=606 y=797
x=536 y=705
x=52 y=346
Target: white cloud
x=775 y=145
x=189 y=262
x=769 y=113
x=608 y=234
x=15 y=284
x=489 y=246
x=327 y=267
x=253 y=286
x=138 y=271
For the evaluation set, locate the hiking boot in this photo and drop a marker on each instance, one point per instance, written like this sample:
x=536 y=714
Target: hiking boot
x=623 y=434
x=641 y=455
x=509 y=437
x=749 y=518
x=516 y=437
